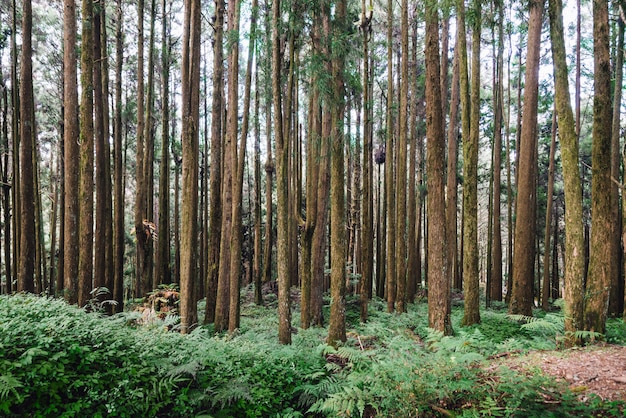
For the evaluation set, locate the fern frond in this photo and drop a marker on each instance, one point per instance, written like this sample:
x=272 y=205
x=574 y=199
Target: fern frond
x=9 y=384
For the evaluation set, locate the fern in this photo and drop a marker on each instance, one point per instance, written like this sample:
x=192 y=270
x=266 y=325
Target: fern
x=9 y=384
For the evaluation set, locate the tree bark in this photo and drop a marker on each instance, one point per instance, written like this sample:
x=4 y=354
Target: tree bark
x=85 y=265
x=190 y=134
x=525 y=223
x=28 y=249
x=438 y=278
x=599 y=280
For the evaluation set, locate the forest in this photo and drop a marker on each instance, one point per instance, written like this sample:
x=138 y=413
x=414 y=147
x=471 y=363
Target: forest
x=297 y=208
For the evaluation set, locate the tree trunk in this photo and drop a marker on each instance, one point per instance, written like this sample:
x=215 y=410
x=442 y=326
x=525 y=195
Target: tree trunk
x=451 y=184
x=337 y=322
x=239 y=164
x=28 y=249
x=438 y=278
x=367 y=225
x=190 y=111
x=148 y=282
x=525 y=223
x=599 y=280
x=215 y=215
x=390 y=196
x=282 y=185
x=85 y=267
x=118 y=232
x=163 y=273
x=616 y=300
x=495 y=291
x=545 y=293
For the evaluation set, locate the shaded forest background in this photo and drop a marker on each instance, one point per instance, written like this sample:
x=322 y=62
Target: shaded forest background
x=385 y=149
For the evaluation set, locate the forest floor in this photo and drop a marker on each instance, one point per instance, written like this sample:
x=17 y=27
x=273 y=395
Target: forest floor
x=599 y=369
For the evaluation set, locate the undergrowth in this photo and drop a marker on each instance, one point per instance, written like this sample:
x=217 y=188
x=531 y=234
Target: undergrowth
x=59 y=361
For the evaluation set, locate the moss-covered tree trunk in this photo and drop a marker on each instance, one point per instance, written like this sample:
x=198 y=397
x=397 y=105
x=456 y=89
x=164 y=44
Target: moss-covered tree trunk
x=616 y=300
x=85 y=265
x=525 y=222
x=401 y=178
x=390 y=194
x=495 y=290
x=163 y=273
x=118 y=172
x=28 y=248
x=545 y=290
x=337 y=322
x=598 y=279
x=282 y=185
x=190 y=139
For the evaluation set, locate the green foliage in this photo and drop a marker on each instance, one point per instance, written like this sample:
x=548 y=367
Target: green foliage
x=57 y=360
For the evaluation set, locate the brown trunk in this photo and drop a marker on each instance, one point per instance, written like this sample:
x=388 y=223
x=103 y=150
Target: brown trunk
x=28 y=248
x=438 y=278
x=337 y=322
x=282 y=185
x=215 y=216
x=525 y=223
x=85 y=265
x=190 y=127
x=451 y=184
x=163 y=274
x=390 y=197
x=599 y=280
x=545 y=293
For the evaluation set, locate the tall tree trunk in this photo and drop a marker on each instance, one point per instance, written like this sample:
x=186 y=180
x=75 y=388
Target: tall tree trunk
x=71 y=140
x=616 y=300
x=140 y=198
x=438 y=278
x=312 y=176
x=495 y=291
x=118 y=232
x=545 y=293
x=284 y=282
x=190 y=139
x=215 y=179
x=258 y=239
x=390 y=197
x=599 y=280
x=367 y=225
x=163 y=273
x=239 y=165
x=401 y=178
x=148 y=284
x=28 y=249
x=6 y=197
x=451 y=183
x=466 y=107
x=85 y=265
x=15 y=129
x=525 y=223
x=99 y=267
x=414 y=262
x=470 y=185
x=337 y=322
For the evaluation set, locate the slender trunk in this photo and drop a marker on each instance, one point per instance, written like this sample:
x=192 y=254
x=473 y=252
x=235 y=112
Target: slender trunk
x=451 y=185
x=28 y=249
x=85 y=265
x=390 y=197
x=545 y=294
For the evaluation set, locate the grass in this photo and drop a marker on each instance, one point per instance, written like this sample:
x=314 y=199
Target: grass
x=56 y=360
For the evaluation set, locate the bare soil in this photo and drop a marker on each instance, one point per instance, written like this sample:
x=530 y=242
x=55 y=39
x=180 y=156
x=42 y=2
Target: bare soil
x=598 y=369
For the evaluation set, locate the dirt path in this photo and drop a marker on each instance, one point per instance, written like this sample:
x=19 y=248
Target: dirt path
x=599 y=369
